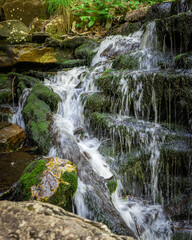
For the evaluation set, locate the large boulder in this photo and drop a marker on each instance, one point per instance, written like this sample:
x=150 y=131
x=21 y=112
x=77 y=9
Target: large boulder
x=12 y=137
x=28 y=220
x=52 y=180
x=25 y=11
x=14 y=31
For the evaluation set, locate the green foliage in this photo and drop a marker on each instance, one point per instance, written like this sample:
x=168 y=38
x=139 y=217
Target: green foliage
x=90 y=11
x=112 y=185
x=31 y=176
x=57 y=5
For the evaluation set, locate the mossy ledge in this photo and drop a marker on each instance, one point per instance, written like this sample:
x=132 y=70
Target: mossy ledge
x=37 y=116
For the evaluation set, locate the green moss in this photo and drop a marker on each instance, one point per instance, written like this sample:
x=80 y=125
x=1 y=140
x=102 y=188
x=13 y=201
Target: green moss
x=86 y=51
x=72 y=63
x=63 y=197
x=31 y=176
x=47 y=95
x=182 y=236
x=127 y=61
x=73 y=42
x=37 y=112
x=112 y=186
x=97 y=102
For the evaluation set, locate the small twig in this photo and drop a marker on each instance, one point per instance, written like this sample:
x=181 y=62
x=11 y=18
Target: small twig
x=13 y=90
x=137 y=227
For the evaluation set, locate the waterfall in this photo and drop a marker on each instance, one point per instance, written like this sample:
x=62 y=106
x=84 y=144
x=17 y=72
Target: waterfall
x=17 y=117
x=73 y=140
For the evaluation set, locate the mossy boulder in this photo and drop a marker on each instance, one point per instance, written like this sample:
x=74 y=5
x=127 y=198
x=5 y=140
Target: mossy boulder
x=184 y=60
x=37 y=115
x=14 y=31
x=52 y=180
x=86 y=51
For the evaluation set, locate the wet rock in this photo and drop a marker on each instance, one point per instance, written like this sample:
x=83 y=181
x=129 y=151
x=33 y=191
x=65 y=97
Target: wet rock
x=136 y=15
x=86 y=51
x=78 y=130
x=14 y=31
x=52 y=180
x=11 y=137
x=174 y=34
x=126 y=28
x=46 y=221
x=12 y=167
x=18 y=9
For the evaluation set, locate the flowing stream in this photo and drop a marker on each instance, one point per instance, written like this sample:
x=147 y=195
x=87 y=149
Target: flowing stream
x=72 y=139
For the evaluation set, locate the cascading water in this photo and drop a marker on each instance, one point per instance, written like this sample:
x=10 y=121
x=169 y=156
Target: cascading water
x=73 y=141
x=17 y=117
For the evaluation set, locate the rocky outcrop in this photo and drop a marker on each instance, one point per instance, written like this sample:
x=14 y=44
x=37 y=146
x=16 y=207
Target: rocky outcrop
x=27 y=220
x=11 y=137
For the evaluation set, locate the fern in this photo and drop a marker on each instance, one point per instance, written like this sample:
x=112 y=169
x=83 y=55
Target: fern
x=58 y=5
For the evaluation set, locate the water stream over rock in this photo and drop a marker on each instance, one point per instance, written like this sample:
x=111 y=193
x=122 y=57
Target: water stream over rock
x=75 y=140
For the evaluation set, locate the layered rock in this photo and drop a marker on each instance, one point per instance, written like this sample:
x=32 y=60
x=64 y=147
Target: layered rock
x=45 y=221
x=11 y=137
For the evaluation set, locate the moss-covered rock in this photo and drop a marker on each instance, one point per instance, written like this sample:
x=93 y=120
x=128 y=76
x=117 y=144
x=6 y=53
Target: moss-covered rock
x=65 y=63
x=174 y=33
x=97 y=102
x=37 y=113
x=30 y=177
x=86 y=51
x=52 y=180
x=74 y=42
x=5 y=89
x=184 y=60
x=128 y=61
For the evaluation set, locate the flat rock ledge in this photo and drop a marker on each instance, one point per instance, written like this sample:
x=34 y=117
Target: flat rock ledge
x=36 y=220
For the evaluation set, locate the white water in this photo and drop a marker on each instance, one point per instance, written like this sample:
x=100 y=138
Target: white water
x=71 y=86
x=17 y=117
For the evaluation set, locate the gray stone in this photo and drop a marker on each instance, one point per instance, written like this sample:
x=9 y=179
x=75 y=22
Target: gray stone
x=36 y=220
